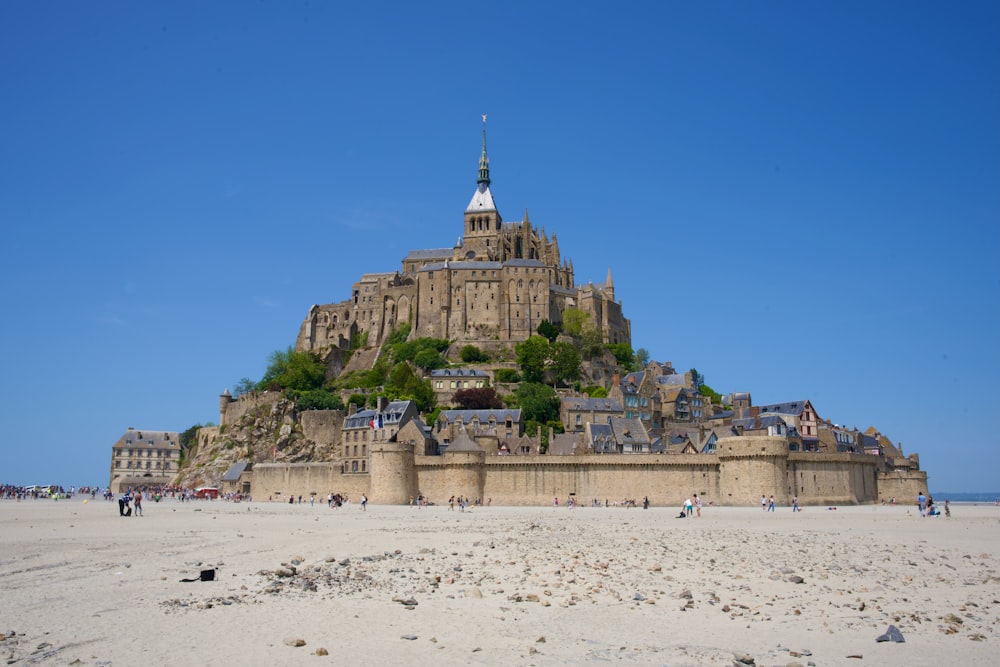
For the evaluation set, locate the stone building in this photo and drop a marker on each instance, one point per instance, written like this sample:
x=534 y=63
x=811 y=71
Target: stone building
x=142 y=458
x=446 y=381
x=494 y=286
x=575 y=412
x=365 y=427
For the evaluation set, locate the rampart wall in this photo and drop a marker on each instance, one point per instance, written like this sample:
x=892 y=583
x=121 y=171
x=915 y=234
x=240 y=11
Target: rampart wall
x=817 y=479
x=231 y=411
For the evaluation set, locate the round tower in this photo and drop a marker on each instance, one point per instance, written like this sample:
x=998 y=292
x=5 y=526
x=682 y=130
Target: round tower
x=465 y=467
x=391 y=473
x=225 y=398
x=752 y=466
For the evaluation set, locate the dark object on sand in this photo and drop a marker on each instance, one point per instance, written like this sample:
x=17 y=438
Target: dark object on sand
x=206 y=575
x=891 y=635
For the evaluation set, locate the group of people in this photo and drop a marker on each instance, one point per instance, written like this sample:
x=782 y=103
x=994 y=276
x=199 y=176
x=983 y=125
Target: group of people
x=130 y=503
x=925 y=503
x=689 y=507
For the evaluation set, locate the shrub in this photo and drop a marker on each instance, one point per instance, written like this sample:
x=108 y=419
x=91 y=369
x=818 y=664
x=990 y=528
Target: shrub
x=507 y=375
x=471 y=354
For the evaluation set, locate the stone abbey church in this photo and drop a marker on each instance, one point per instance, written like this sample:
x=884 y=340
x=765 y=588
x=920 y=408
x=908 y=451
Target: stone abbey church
x=497 y=283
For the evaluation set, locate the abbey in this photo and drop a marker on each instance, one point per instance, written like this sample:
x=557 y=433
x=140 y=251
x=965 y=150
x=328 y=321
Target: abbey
x=497 y=283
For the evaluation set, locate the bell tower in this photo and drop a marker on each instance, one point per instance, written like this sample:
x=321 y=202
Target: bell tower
x=482 y=219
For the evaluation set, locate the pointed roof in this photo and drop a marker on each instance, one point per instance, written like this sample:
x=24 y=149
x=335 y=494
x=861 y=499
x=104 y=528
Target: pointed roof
x=463 y=443
x=482 y=200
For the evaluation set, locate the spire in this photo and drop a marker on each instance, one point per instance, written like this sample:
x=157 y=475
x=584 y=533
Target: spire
x=610 y=283
x=484 y=162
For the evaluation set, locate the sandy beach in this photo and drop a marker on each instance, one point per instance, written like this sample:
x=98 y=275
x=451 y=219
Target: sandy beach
x=301 y=584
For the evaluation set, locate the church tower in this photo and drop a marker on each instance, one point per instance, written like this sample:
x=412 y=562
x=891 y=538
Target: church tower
x=482 y=219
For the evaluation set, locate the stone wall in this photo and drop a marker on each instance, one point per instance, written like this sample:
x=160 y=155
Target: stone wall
x=276 y=481
x=231 y=411
x=667 y=480
x=903 y=485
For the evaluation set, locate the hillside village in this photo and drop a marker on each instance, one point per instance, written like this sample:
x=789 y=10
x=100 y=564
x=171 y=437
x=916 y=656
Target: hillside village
x=483 y=369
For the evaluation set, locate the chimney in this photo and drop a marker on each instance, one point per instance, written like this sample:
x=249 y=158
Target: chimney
x=754 y=411
x=352 y=409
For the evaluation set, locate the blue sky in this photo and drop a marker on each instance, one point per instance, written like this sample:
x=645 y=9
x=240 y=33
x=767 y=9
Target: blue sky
x=801 y=200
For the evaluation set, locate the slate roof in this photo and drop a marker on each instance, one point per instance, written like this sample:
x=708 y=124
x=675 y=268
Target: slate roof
x=628 y=430
x=592 y=404
x=235 y=470
x=672 y=380
x=468 y=416
x=458 y=372
x=789 y=408
x=482 y=199
x=463 y=443
x=145 y=438
x=762 y=422
x=432 y=253
x=390 y=416
x=460 y=266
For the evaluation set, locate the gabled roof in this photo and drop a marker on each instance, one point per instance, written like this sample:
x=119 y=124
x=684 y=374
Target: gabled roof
x=628 y=430
x=759 y=423
x=672 y=380
x=392 y=415
x=563 y=444
x=592 y=404
x=790 y=408
x=483 y=416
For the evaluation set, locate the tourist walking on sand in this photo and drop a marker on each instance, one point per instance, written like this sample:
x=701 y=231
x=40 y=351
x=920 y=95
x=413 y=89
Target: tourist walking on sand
x=763 y=503
x=138 y=503
x=364 y=503
x=795 y=504
x=697 y=505
x=922 y=503
x=688 y=508
x=770 y=504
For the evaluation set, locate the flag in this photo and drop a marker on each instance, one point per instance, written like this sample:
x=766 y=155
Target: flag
x=376 y=421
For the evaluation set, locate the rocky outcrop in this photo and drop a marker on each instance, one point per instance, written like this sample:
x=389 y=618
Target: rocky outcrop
x=273 y=433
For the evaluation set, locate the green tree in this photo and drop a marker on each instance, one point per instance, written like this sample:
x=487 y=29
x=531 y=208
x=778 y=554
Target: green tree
x=532 y=354
x=429 y=360
x=315 y=399
x=471 y=354
x=595 y=391
x=288 y=369
x=573 y=322
x=538 y=402
x=697 y=379
x=623 y=355
x=506 y=375
x=404 y=384
x=358 y=400
x=548 y=330
x=244 y=386
x=591 y=341
x=642 y=357
x=565 y=363
x=713 y=395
